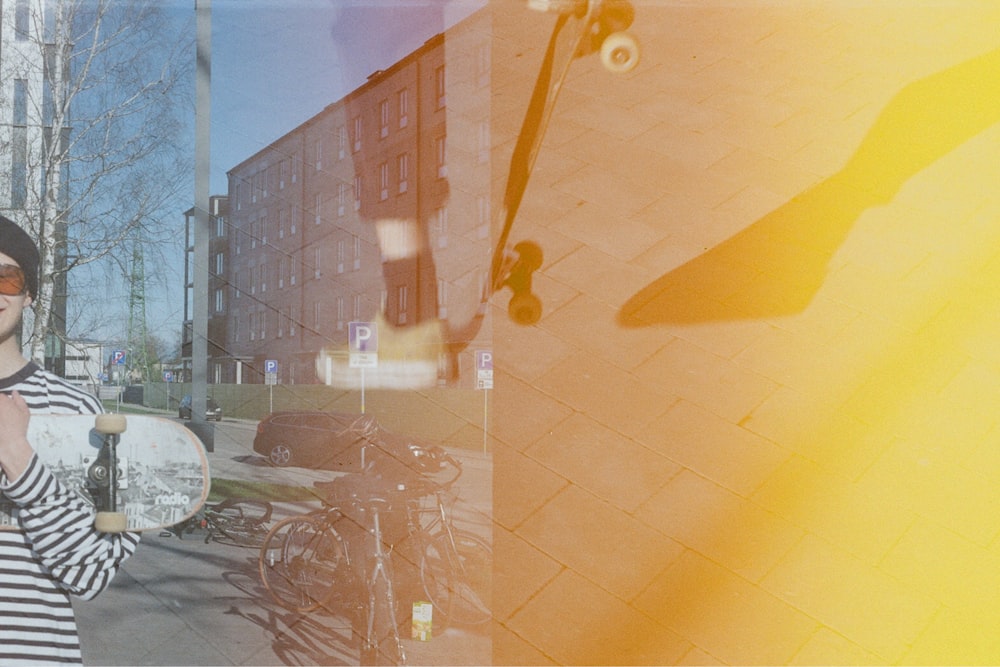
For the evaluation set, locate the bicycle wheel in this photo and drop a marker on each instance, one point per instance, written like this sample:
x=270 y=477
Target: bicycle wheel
x=299 y=561
x=456 y=571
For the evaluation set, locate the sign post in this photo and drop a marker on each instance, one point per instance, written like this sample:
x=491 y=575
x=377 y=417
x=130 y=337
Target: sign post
x=118 y=358
x=362 y=345
x=271 y=379
x=484 y=381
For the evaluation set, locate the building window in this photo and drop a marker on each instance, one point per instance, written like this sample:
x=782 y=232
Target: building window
x=219 y=264
x=357 y=307
x=318 y=208
x=357 y=192
x=383 y=112
x=484 y=142
x=441 y=226
x=383 y=181
x=403 y=167
x=219 y=301
x=403 y=107
x=341 y=198
x=340 y=256
x=318 y=148
x=402 y=296
x=439 y=85
x=442 y=298
x=356 y=133
x=317 y=322
x=281 y=272
x=282 y=214
x=22 y=20
x=341 y=142
x=317 y=263
x=441 y=149
x=282 y=174
x=340 y=313
x=357 y=253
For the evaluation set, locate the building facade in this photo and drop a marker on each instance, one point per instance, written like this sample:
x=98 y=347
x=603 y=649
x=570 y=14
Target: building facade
x=297 y=255
x=29 y=58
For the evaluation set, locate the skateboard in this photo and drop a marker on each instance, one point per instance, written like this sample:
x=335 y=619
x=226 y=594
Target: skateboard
x=582 y=27
x=138 y=472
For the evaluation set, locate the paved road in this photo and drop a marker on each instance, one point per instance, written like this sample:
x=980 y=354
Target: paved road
x=184 y=602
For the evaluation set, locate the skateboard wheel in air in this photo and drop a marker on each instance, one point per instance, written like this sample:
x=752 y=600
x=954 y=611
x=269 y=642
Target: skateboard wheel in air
x=110 y=424
x=111 y=522
x=619 y=52
x=524 y=308
x=530 y=253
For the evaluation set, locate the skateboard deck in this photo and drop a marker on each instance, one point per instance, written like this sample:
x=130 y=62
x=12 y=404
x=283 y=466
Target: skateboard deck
x=582 y=27
x=162 y=471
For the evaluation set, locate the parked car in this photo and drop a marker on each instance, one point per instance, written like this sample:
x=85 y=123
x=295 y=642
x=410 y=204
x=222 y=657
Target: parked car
x=212 y=411
x=334 y=441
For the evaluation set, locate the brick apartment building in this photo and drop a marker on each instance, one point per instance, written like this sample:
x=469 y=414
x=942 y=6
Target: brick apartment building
x=294 y=256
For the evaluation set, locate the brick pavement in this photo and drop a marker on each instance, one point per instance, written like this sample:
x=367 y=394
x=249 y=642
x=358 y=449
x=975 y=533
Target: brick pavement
x=757 y=423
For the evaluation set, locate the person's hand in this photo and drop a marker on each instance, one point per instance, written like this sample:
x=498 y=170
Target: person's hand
x=15 y=450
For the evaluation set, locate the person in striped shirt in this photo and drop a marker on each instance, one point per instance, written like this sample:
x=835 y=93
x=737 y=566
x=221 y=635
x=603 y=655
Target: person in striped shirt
x=56 y=553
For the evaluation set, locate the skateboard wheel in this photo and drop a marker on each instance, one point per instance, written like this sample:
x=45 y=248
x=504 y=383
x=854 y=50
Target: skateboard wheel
x=111 y=522
x=524 y=308
x=619 y=52
x=110 y=424
x=530 y=253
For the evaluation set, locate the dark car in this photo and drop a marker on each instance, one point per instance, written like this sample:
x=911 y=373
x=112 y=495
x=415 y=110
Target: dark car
x=331 y=441
x=212 y=411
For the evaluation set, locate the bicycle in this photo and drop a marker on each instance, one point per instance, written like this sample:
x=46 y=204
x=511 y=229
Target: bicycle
x=455 y=565
x=305 y=562
x=238 y=521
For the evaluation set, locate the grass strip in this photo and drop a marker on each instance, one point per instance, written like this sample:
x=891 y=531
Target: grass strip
x=239 y=488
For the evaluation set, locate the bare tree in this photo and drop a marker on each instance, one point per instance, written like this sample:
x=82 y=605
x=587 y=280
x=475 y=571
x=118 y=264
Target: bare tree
x=106 y=161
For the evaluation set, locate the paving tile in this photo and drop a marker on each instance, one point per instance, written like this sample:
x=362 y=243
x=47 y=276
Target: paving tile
x=958 y=637
x=714 y=447
x=926 y=480
x=834 y=508
x=606 y=393
x=590 y=326
x=855 y=599
x=598 y=274
x=703 y=378
x=511 y=649
x=609 y=229
x=520 y=486
x=725 y=615
x=519 y=572
x=621 y=554
x=613 y=467
x=732 y=531
x=829 y=648
x=585 y=625
x=521 y=414
x=947 y=567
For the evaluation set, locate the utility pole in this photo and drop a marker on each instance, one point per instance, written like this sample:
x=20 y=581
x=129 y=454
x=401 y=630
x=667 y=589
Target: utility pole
x=199 y=323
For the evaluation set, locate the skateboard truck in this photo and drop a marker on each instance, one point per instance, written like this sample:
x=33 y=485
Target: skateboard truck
x=102 y=475
x=515 y=272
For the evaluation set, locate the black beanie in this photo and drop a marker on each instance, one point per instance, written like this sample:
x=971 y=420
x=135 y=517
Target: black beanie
x=16 y=244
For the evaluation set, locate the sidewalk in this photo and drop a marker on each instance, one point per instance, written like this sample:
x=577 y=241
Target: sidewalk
x=184 y=602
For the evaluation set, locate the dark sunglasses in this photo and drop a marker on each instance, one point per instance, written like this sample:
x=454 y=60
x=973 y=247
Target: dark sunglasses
x=12 y=280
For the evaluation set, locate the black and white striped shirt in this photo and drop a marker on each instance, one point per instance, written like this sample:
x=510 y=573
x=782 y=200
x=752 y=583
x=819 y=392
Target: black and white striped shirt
x=57 y=553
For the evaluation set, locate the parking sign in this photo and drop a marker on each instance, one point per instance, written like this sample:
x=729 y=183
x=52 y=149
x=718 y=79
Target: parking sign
x=484 y=369
x=362 y=344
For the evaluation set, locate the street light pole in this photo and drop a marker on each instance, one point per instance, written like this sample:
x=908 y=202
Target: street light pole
x=199 y=316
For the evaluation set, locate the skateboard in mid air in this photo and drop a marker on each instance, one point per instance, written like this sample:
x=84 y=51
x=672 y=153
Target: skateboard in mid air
x=582 y=27
x=138 y=472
